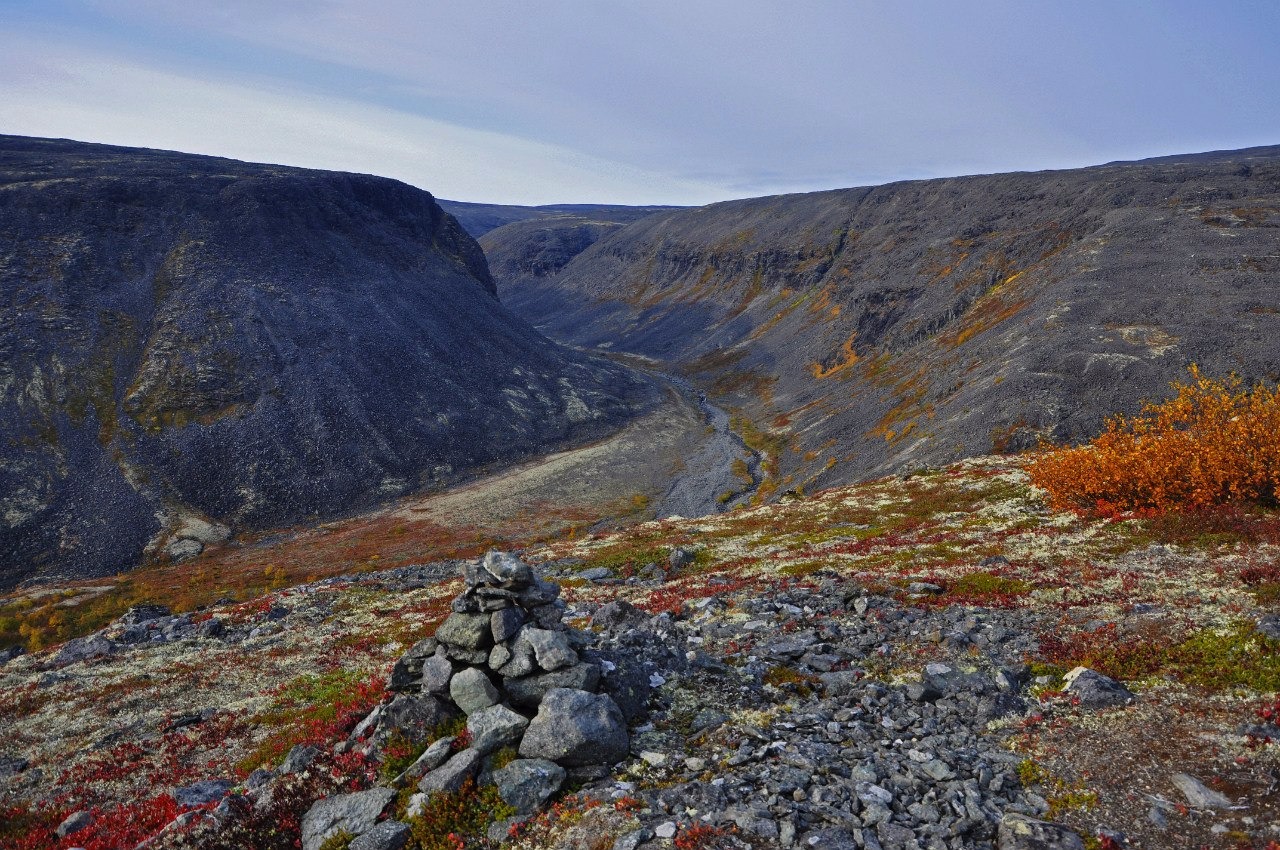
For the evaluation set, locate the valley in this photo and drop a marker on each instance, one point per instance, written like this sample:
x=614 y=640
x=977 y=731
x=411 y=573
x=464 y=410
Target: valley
x=774 y=478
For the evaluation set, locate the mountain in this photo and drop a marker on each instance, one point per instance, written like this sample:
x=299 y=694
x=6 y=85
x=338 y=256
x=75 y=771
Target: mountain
x=479 y=219
x=193 y=346
x=864 y=330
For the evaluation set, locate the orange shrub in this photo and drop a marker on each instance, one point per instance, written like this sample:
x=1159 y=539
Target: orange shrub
x=1214 y=443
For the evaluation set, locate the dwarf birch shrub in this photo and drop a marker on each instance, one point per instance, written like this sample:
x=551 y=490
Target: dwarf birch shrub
x=1214 y=443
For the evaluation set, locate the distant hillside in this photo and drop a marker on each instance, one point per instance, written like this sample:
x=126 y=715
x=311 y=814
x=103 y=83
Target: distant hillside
x=479 y=219
x=195 y=346
x=872 y=328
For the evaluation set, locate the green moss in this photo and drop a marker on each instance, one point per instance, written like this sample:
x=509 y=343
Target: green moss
x=988 y=584
x=341 y=841
x=1239 y=657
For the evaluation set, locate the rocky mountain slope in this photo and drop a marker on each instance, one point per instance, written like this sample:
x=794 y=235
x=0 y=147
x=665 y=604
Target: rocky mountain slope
x=888 y=665
x=195 y=346
x=479 y=219
x=862 y=330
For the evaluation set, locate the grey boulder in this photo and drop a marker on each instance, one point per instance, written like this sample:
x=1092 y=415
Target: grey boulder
x=468 y=631
x=388 y=835
x=576 y=728
x=528 y=691
x=550 y=649
x=471 y=690
x=451 y=775
x=525 y=784
x=1095 y=690
x=495 y=727
x=353 y=813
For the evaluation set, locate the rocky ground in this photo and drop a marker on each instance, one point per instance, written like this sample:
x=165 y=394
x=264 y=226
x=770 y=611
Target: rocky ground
x=890 y=665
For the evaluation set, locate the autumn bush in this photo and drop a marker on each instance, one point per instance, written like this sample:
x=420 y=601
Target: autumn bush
x=1215 y=443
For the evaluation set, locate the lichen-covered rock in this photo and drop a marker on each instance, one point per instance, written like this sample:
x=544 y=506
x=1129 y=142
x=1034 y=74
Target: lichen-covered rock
x=451 y=775
x=550 y=649
x=413 y=718
x=352 y=813
x=388 y=835
x=471 y=690
x=528 y=691
x=575 y=728
x=1095 y=690
x=525 y=784
x=495 y=727
x=467 y=631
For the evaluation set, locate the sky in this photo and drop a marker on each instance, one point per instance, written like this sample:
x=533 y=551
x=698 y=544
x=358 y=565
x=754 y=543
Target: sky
x=647 y=101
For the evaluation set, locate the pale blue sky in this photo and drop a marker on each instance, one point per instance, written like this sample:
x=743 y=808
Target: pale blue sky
x=629 y=101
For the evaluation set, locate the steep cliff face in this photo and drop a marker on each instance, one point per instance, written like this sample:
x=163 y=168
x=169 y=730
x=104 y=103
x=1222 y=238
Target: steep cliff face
x=479 y=219
x=190 y=345
x=867 y=329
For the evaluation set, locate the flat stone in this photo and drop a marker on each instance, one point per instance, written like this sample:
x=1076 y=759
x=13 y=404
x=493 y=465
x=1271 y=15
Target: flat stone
x=575 y=728
x=1019 y=832
x=432 y=757
x=526 y=784
x=495 y=727
x=528 y=691
x=550 y=649
x=504 y=624
x=468 y=631
x=471 y=690
x=388 y=835
x=353 y=813
x=1199 y=795
x=450 y=776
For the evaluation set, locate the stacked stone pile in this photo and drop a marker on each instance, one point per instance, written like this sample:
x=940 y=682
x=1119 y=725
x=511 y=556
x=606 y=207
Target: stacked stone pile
x=504 y=659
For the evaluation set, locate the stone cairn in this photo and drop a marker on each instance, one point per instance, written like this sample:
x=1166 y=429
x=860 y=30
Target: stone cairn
x=505 y=659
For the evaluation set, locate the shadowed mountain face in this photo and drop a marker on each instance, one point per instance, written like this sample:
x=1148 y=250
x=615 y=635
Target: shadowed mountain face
x=479 y=219
x=189 y=343
x=925 y=321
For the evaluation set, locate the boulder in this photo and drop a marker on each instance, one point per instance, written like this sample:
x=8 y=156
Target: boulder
x=1095 y=690
x=414 y=718
x=451 y=775
x=550 y=649
x=526 y=784
x=506 y=567
x=467 y=631
x=1019 y=832
x=432 y=757
x=388 y=835
x=495 y=727
x=471 y=690
x=528 y=691
x=352 y=813
x=574 y=728
x=436 y=673
x=299 y=759
x=407 y=672
x=83 y=649
x=505 y=623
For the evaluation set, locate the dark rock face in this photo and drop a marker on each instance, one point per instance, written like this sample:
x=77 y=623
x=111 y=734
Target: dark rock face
x=920 y=322
x=479 y=219
x=194 y=346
